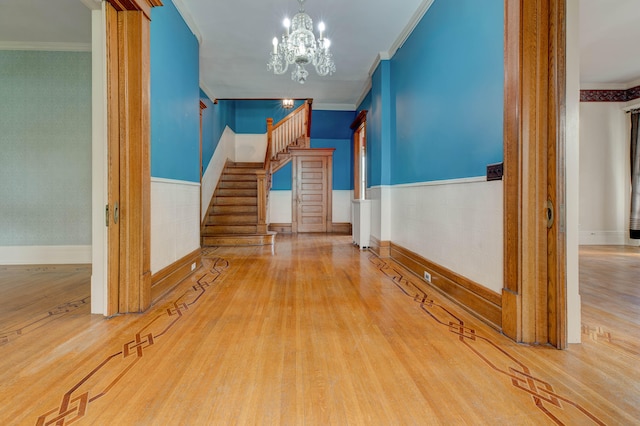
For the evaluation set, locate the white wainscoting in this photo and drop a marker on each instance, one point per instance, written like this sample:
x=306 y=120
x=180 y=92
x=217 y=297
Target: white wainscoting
x=44 y=255
x=380 y=197
x=225 y=150
x=280 y=206
x=175 y=221
x=456 y=224
x=341 y=206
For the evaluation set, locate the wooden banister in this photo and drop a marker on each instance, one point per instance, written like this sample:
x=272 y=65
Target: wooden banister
x=280 y=136
x=289 y=129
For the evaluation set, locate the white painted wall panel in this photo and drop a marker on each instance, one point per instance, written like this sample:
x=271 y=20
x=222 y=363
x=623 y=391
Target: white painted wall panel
x=341 y=206
x=225 y=150
x=175 y=221
x=457 y=225
x=250 y=148
x=604 y=173
x=279 y=207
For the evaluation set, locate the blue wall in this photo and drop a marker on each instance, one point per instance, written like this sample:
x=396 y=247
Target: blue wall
x=251 y=115
x=444 y=118
x=215 y=118
x=379 y=121
x=175 y=97
x=448 y=83
x=329 y=129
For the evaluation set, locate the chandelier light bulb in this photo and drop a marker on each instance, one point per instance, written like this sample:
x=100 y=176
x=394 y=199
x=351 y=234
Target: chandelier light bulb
x=287 y=24
x=275 y=45
x=321 y=29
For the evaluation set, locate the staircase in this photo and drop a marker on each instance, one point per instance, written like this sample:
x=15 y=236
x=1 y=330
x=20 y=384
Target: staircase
x=238 y=209
x=232 y=217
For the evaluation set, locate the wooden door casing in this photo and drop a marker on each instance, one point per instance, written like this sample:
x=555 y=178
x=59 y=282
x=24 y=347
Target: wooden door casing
x=312 y=190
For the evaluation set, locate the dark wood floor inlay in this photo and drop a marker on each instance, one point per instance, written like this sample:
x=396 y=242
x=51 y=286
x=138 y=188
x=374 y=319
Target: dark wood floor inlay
x=106 y=374
x=8 y=335
x=544 y=396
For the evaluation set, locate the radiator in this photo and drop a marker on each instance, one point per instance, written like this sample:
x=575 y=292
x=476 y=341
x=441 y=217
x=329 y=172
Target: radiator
x=361 y=220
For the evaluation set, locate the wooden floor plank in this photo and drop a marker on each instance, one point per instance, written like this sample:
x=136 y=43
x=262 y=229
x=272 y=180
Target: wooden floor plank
x=311 y=331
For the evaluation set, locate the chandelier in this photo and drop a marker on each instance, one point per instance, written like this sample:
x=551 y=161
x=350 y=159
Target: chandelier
x=299 y=47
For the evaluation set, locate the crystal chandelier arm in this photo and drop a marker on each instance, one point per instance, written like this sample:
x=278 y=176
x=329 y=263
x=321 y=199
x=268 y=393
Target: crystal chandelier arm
x=278 y=62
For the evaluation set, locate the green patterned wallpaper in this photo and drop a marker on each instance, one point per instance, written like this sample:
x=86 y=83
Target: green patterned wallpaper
x=45 y=148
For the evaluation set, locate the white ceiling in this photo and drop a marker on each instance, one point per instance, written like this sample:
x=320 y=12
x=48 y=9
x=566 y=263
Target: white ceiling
x=236 y=35
x=609 y=37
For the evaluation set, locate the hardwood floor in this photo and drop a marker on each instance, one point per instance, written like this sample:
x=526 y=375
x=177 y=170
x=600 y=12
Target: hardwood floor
x=611 y=313
x=309 y=331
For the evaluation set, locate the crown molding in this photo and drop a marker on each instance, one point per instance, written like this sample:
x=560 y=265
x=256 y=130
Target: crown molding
x=45 y=46
x=183 y=10
x=411 y=25
x=404 y=35
x=365 y=92
x=334 y=107
x=207 y=91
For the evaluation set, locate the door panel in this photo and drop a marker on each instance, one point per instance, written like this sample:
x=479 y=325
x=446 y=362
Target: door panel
x=312 y=190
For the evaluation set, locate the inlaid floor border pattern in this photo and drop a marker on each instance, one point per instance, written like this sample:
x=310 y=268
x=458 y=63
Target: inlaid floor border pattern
x=99 y=381
x=28 y=326
x=546 y=399
x=600 y=334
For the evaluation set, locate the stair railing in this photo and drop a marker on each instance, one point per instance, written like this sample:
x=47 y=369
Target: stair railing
x=279 y=137
x=288 y=130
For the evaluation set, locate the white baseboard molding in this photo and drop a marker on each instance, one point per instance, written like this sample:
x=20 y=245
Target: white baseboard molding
x=44 y=255
x=600 y=238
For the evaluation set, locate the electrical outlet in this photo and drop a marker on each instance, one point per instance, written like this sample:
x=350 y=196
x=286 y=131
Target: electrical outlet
x=427 y=276
x=193 y=266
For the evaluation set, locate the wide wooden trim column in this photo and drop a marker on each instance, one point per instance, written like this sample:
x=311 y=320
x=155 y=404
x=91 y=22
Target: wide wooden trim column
x=533 y=297
x=133 y=118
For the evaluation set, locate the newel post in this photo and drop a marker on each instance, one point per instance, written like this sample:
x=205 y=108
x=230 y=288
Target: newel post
x=262 y=201
x=269 y=138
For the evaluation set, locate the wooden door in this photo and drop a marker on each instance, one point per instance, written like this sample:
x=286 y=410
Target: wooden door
x=534 y=293
x=113 y=170
x=129 y=257
x=359 y=127
x=312 y=190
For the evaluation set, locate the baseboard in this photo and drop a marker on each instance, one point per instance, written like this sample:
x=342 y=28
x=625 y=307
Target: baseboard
x=484 y=303
x=341 y=228
x=336 y=228
x=280 y=228
x=45 y=255
x=609 y=238
x=380 y=248
x=170 y=276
